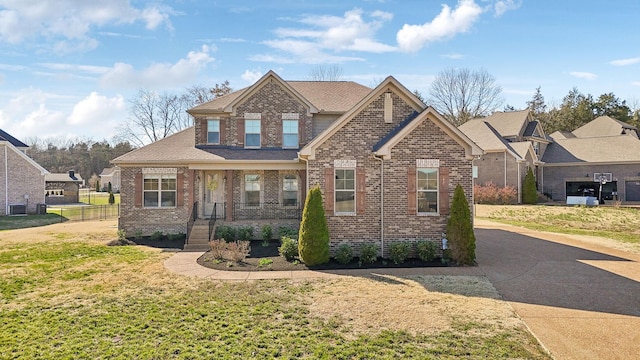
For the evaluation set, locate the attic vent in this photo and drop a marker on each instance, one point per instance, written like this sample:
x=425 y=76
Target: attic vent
x=388 y=108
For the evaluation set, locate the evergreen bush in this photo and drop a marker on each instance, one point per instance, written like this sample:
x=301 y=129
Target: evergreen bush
x=112 y=198
x=267 y=233
x=313 y=242
x=288 y=248
x=368 y=253
x=399 y=251
x=462 y=241
x=245 y=233
x=344 y=254
x=529 y=193
x=427 y=250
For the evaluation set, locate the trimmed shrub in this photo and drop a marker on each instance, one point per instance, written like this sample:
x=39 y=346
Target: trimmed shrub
x=226 y=232
x=491 y=194
x=427 y=250
x=156 y=236
x=344 y=254
x=288 y=248
x=112 y=198
x=313 y=242
x=267 y=233
x=462 y=241
x=287 y=231
x=399 y=251
x=245 y=233
x=529 y=192
x=368 y=253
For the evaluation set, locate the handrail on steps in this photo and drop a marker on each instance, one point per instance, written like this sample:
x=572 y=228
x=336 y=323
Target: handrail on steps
x=192 y=219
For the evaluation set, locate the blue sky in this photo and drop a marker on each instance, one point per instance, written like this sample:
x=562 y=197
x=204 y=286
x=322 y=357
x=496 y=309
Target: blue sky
x=68 y=67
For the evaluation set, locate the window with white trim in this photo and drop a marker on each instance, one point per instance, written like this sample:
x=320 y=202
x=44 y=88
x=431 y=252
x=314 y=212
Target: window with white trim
x=213 y=131
x=290 y=190
x=252 y=133
x=345 y=191
x=160 y=190
x=290 y=133
x=252 y=189
x=427 y=190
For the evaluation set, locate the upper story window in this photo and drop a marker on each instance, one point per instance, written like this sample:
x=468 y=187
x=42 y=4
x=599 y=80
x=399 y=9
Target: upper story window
x=213 y=131
x=536 y=147
x=160 y=190
x=252 y=133
x=427 y=190
x=290 y=133
x=345 y=191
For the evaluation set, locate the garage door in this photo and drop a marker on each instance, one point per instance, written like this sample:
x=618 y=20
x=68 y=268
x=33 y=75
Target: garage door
x=632 y=191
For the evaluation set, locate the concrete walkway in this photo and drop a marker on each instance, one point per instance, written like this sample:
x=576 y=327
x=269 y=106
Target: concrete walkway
x=580 y=299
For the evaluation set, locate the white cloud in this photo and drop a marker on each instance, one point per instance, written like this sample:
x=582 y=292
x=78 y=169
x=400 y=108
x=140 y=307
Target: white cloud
x=90 y=69
x=251 y=76
x=445 y=25
x=29 y=113
x=324 y=33
x=583 y=75
x=453 y=56
x=502 y=6
x=625 y=62
x=67 y=24
x=183 y=72
x=93 y=108
x=635 y=83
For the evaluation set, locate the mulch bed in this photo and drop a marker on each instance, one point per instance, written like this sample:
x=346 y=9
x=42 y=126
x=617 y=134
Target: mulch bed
x=260 y=252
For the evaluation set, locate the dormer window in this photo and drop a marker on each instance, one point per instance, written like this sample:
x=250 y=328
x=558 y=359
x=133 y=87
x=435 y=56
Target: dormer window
x=213 y=131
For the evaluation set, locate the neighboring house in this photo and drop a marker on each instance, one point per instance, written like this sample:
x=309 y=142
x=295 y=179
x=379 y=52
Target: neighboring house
x=512 y=142
x=110 y=175
x=63 y=188
x=387 y=166
x=604 y=148
x=21 y=178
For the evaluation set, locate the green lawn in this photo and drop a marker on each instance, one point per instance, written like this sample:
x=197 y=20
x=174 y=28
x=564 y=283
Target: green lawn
x=27 y=221
x=618 y=223
x=66 y=295
x=98 y=198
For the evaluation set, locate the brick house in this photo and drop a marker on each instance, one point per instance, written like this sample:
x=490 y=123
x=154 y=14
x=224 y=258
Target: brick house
x=512 y=142
x=21 y=178
x=386 y=164
x=63 y=188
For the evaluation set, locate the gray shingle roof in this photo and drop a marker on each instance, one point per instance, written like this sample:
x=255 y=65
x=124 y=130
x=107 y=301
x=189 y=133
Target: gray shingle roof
x=64 y=177
x=484 y=135
x=240 y=153
x=620 y=148
x=4 y=136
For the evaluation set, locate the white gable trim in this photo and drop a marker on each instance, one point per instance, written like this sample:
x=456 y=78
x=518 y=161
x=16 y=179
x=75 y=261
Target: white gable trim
x=270 y=76
x=389 y=84
x=33 y=163
x=470 y=148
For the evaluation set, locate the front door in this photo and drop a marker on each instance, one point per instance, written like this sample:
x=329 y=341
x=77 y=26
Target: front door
x=214 y=193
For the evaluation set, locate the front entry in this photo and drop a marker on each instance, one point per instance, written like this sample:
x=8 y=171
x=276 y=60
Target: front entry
x=214 y=193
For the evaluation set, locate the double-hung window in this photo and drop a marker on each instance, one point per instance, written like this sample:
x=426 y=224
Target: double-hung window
x=290 y=133
x=290 y=190
x=427 y=190
x=252 y=133
x=345 y=191
x=252 y=189
x=160 y=190
x=213 y=131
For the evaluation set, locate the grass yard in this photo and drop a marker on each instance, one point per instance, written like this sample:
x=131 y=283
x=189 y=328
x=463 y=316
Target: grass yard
x=64 y=294
x=97 y=198
x=621 y=224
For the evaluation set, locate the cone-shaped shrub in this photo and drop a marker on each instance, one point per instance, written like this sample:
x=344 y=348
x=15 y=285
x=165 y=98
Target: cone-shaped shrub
x=313 y=241
x=462 y=241
x=529 y=194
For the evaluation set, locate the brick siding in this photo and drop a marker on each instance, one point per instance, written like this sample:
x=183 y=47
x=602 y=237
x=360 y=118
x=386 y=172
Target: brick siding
x=23 y=179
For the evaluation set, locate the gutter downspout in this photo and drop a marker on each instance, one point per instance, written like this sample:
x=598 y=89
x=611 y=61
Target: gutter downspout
x=519 y=184
x=505 y=168
x=381 y=203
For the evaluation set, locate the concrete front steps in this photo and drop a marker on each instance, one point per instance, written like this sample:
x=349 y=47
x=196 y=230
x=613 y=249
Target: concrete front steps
x=199 y=237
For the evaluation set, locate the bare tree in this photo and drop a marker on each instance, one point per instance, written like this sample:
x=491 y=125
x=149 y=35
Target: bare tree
x=461 y=94
x=325 y=73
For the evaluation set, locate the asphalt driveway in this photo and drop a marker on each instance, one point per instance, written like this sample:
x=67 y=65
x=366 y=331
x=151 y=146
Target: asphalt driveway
x=580 y=299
